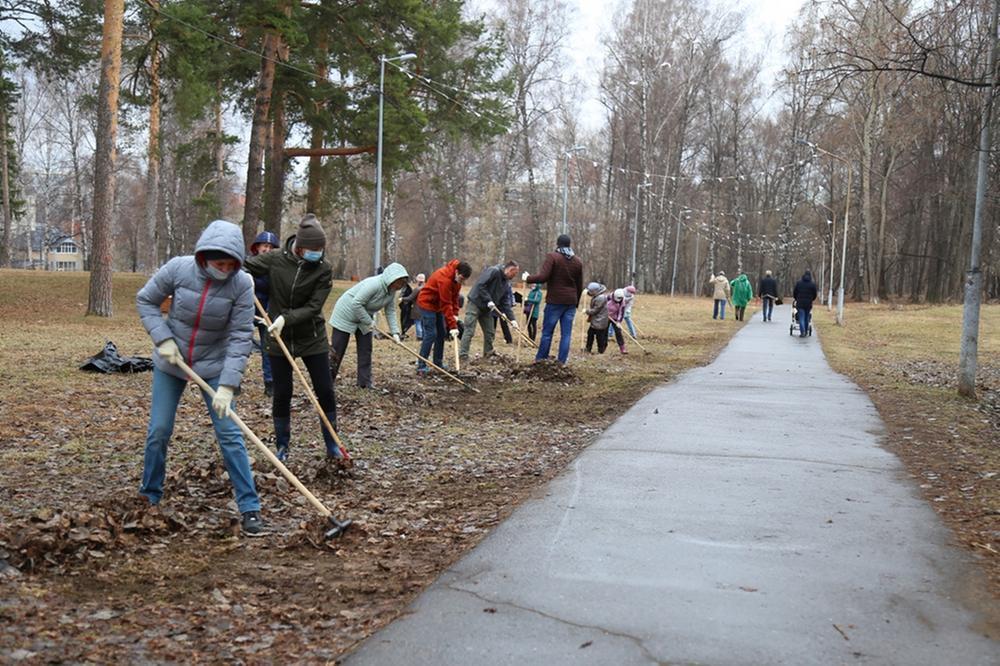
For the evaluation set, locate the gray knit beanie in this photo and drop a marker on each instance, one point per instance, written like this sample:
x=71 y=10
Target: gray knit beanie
x=309 y=235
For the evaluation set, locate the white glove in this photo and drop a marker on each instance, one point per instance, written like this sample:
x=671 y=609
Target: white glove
x=169 y=351
x=513 y=324
x=223 y=398
x=524 y=276
x=453 y=333
x=395 y=338
x=491 y=305
x=275 y=328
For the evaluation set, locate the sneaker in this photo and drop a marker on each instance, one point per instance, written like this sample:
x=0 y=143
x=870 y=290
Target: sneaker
x=622 y=349
x=252 y=525
x=282 y=453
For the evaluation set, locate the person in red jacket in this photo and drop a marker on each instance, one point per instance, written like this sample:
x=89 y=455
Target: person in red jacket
x=438 y=303
x=563 y=274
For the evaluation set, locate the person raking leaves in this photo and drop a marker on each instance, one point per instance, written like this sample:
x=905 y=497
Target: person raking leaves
x=210 y=327
x=300 y=281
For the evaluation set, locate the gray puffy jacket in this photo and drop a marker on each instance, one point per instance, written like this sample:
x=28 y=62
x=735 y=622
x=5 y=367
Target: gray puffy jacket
x=211 y=321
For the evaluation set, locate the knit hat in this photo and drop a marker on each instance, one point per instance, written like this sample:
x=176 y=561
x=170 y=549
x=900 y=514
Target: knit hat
x=563 y=240
x=619 y=295
x=630 y=289
x=309 y=235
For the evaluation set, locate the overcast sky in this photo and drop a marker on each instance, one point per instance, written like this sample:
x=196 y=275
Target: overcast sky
x=766 y=21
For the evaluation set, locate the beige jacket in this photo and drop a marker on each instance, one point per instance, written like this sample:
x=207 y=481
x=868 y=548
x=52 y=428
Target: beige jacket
x=721 y=285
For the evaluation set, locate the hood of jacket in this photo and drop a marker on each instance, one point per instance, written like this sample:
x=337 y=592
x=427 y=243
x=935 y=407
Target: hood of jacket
x=595 y=288
x=221 y=236
x=393 y=272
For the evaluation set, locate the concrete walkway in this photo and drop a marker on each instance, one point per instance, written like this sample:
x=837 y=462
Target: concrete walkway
x=744 y=514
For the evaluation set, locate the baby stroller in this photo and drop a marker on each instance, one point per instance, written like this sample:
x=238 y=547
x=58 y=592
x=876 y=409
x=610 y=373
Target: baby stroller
x=794 y=326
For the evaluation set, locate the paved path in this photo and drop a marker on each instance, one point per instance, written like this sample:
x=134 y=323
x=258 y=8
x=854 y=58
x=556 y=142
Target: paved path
x=744 y=514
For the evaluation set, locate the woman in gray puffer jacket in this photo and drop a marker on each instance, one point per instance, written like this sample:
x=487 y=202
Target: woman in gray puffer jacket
x=209 y=326
x=597 y=315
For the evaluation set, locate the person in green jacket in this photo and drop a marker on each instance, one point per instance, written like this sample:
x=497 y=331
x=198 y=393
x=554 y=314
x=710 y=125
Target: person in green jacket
x=300 y=282
x=742 y=294
x=532 y=304
x=353 y=314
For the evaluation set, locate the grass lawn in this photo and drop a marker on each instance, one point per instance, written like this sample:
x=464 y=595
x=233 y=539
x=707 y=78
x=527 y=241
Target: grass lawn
x=108 y=581
x=906 y=357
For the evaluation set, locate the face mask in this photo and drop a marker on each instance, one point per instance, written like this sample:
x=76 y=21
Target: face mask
x=312 y=255
x=215 y=273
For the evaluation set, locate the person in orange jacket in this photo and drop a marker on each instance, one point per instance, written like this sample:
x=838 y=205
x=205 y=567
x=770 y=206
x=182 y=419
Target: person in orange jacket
x=438 y=303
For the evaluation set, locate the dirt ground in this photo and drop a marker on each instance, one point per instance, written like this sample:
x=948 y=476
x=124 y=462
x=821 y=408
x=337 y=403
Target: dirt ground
x=89 y=574
x=906 y=358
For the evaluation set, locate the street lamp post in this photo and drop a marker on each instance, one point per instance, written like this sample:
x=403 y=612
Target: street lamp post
x=847 y=217
x=378 y=156
x=566 y=156
x=635 y=230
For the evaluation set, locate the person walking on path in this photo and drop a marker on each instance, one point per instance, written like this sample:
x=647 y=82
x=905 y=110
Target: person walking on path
x=616 y=315
x=768 y=292
x=438 y=303
x=805 y=293
x=354 y=314
x=489 y=292
x=721 y=292
x=629 y=302
x=301 y=280
x=532 y=304
x=742 y=294
x=563 y=273
x=265 y=242
x=209 y=327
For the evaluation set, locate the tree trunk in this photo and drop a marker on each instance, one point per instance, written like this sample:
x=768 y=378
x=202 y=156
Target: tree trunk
x=153 y=160
x=258 y=130
x=314 y=190
x=274 y=176
x=866 y=249
x=5 y=179
x=220 y=154
x=104 y=159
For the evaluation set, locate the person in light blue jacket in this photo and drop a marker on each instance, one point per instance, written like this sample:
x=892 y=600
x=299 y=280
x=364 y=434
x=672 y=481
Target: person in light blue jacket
x=354 y=314
x=210 y=327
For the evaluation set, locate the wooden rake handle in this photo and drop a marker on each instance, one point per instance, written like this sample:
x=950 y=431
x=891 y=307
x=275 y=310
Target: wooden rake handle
x=273 y=459
x=436 y=367
x=516 y=328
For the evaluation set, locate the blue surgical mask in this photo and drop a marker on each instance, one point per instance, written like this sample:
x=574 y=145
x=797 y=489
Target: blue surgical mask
x=312 y=255
x=216 y=274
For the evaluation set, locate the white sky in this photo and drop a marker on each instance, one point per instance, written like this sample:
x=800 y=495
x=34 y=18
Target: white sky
x=766 y=21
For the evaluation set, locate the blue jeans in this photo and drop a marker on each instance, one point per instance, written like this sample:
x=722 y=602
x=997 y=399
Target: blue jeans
x=768 y=306
x=434 y=335
x=167 y=392
x=719 y=309
x=563 y=315
x=631 y=326
x=804 y=317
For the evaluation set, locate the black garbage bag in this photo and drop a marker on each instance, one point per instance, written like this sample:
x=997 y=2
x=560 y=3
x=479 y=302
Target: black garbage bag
x=109 y=361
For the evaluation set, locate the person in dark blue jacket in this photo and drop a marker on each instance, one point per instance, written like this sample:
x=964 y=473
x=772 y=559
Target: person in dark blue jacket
x=265 y=242
x=805 y=293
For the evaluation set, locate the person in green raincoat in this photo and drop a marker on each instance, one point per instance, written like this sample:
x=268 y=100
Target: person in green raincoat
x=742 y=294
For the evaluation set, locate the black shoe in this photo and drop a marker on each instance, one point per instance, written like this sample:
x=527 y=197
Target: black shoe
x=252 y=525
x=269 y=389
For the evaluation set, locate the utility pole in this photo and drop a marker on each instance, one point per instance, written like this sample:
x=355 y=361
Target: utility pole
x=969 y=351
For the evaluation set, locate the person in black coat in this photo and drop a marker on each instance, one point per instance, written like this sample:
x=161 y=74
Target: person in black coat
x=804 y=294
x=767 y=290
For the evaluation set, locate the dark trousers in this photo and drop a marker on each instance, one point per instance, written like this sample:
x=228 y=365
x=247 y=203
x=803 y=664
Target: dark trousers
x=740 y=309
x=532 y=327
x=338 y=346
x=505 y=328
x=619 y=336
x=318 y=366
x=768 y=305
x=601 y=335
